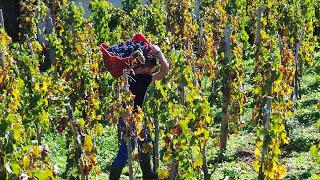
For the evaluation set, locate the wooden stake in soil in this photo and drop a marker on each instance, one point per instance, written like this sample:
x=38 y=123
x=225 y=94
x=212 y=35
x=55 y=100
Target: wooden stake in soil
x=174 y=170
x=2 y=59
x=1 y=53
x=1 y=18
x=129 y=149
x=296 y=93
x=77 y=140
x=226 y=97
x=267 y=112
x=156 y=156
x=205 y=163
x=175 y=164
x=203 y=149
x=128 y=133
x=29 y=43
x=258 y=35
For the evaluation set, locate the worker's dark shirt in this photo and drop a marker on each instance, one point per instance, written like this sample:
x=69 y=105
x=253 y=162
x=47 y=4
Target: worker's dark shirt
x=139 y=87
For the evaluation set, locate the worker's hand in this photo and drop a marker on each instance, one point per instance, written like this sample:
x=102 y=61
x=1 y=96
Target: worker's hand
x=155 y=49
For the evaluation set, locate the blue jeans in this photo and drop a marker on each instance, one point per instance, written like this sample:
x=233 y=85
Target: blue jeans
x=122 y=155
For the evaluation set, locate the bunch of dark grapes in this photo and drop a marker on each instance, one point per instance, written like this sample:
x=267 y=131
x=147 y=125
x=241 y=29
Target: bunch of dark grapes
x=126 y=49
x=62 y=125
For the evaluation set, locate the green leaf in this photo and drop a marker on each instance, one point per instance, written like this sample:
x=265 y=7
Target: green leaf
x=15 y=168
x=313 y=151
x=257 y=90
x=198 y=162
x=11 y=118
x=43 y=175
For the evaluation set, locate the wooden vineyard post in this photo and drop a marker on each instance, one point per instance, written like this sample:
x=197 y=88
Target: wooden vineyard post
x=29 y=43
x=203 y=149
x=128 y=129
x=258 y=39
x=267 y=112
x=117 y=89
x=194 y=71
x=38 y=129
x=200 y=34
x=2 y=59
x=197 y=7
x=1 y=53
x=174 y=164
x=128 y=140
x=182 y=94
x=174 y=169
x=280 y=44
x=77 y=140
x=226 y=96
x=205 y=163
x=296 y=94
x=258 y=36
x=1 y=18
x=156 y=156
x=167 y=20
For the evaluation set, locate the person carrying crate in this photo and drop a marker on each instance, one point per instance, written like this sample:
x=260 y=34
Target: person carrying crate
x=143 y=76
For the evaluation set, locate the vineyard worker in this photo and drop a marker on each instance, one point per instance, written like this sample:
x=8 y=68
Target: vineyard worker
x=144 y=76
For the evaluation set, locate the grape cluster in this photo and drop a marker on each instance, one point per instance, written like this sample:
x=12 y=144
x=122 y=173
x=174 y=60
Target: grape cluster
x=126 y=49
x=62 y=125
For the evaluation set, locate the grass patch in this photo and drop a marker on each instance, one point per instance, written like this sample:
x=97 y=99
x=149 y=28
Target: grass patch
x=300 y=166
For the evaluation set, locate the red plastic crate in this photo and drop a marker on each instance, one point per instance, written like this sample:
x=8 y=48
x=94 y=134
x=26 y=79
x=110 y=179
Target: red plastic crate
x=114 y=64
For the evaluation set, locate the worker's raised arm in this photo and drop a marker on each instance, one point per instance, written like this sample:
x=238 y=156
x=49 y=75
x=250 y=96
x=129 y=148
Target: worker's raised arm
x=163 y=62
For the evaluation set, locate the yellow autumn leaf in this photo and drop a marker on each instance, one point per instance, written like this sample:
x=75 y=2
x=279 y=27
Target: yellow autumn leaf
x=99 y=129
x=88 y=143
x=81 y=122
x=20 y=82
x=36 y=86
x=36 y=46
x=284 y=138
x=46 y=159
x=93 y=159
x=64 y=74
x=139 y=127
x=256 y=165
x=36 y=151
x=26 y=161
x=95 y=102
x=257 y=152
x=290 y=104
x=15 y=93
x=163 y=173
x=44 y=86
x=206 y=135
x=270 y=174
x=150 y=126
x=44 y=118
x=78 y=48
x=276 y=150
x=60 y=88
x=199 y=131
x=16 y=134
x=263 y=35
x=139 y=117
x=282 y=171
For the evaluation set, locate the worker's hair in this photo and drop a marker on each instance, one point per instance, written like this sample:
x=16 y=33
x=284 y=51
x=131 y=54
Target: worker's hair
x=150 y=62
